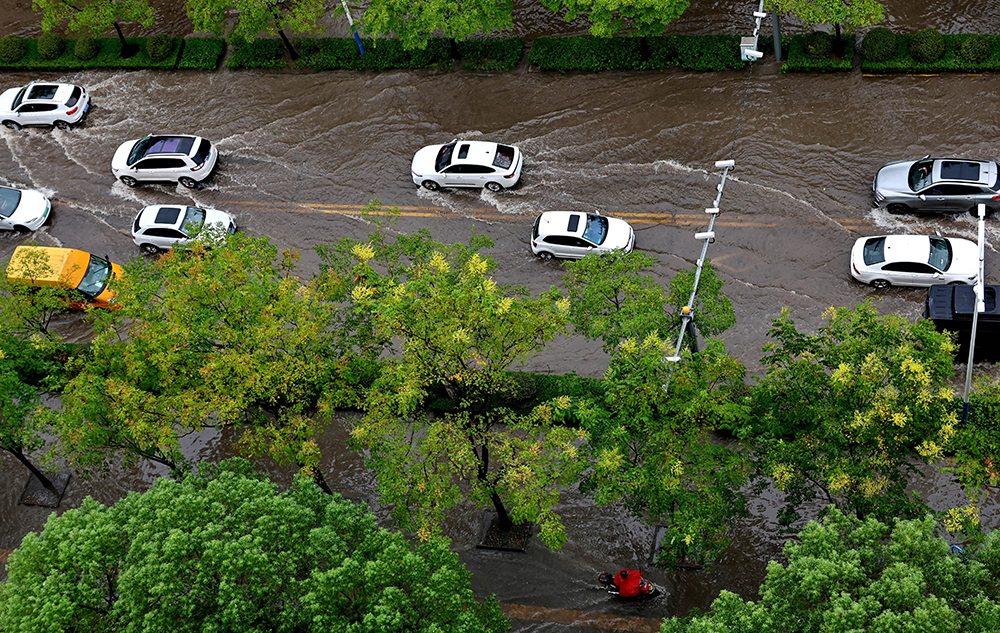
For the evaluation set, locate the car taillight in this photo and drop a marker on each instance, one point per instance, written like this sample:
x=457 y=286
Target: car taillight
x=855 y=267
x=997 y=197
x=534 y=243
x=510 y=175
x=198 y=166
x=74 y=109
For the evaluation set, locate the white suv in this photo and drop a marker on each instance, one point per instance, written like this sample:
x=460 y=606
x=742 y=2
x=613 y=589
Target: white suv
x=164 y=226
x=45 y=104
x=169 y=158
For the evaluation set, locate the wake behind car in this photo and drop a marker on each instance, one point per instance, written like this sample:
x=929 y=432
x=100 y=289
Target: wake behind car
x=44 y=104
x=914 y=260
x=164 y=226
x=467 y=164
x=937 y=185
x=186 y=159
x=23 y=209
x=573 y=235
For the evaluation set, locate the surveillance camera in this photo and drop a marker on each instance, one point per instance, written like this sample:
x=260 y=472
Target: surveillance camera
x=707 y=235
x=725 y=163
x=754 y=54
x=759 y=14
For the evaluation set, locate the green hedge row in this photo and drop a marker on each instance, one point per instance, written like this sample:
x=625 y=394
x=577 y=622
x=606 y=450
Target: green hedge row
x=690 y=52
x=341 y=53
x=799 y=61
x=952 y=61
x=203 y=53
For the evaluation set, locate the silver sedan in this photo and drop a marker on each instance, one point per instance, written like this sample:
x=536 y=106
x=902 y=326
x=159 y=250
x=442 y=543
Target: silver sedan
x=937 y=185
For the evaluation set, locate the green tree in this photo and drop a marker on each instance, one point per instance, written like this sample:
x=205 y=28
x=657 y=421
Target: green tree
x=214 y=337
x=853 y=576
x=439 y=422
x=653 y=449
x=257 y=16
x=847 y=413
x=27 y=310
x=228 y=552
x=612 y=299
x=850 y=14
x=609 y=17
x=95 y=16
x=415 y=21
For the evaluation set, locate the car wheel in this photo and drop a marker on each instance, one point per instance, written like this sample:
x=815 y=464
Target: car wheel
x=974 y=211
x=190 y=183
x=430 y=185
x=21 y=229
x=495 y=187
x=149 y=249
x=545 y=256
x=12 y=125
x=897 y=209
x=881 y=284
x=129 y=181
x=62 y=125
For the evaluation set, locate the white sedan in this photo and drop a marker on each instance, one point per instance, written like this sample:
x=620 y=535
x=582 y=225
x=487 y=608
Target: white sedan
x=914 y=260
x=164 y=226
x=23 y=210
x=572 y=235
x=467 y=164
x=44 y=104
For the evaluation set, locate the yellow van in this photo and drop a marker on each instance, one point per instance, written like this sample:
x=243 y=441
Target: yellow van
x=85 y=275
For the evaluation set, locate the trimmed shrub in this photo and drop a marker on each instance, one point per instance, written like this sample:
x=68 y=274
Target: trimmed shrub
x=976 y=48
x=879 y=45
x=263 y=53
x=202 y=53
x=50 y=46
x=12 y=48
x=586 y=53
x=159 y=47
x=819 y=45
x=380 y=54
x=492 y=53
x=661 y=52
x=87 y=47
x=709 y=52
x=800 y=61
x=927 y=46
x=952 y=60
x=109 y=56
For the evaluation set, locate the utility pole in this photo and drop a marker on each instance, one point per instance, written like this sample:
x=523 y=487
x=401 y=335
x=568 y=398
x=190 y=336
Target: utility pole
x=980 y=290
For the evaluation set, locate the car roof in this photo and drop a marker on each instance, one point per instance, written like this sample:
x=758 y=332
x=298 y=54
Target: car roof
x=562 y=223
x=980 y=172
x=166 y=215
x=480 y=153
x=906 y=248
x=43 y=92
x=171 y=144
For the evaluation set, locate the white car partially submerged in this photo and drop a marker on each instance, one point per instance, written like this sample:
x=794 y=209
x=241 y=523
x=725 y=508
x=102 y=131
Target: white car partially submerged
x=914 y=260
x=44 y=104
x=23 y=209
x=163 y=226
x=467 y=164
x=181 y=158
x=573 y=235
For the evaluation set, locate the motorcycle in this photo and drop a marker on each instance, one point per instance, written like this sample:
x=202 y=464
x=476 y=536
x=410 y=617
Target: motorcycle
x=647 y=589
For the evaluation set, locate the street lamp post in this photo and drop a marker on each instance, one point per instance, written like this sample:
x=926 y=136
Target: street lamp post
x=980 y=290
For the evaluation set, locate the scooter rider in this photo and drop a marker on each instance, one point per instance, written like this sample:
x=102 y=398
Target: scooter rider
x=630 y=583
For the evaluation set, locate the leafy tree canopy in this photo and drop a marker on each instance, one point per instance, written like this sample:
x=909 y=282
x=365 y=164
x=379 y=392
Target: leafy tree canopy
x=848 y=13
x=610 y=17
x=228 y=552
x=256 y=16
x=853 y=576
x=414 y=22
x=842 y=413
x=92 y=16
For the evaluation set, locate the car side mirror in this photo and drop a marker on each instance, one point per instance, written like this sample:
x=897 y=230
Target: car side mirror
x=922 y=197
x=937 y=275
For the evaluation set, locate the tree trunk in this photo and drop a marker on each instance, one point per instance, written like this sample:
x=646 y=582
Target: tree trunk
x=319 y=479
x=288 y=45
x=504 y=521
x=16 y=452
x=838 y=44
x=128 y=50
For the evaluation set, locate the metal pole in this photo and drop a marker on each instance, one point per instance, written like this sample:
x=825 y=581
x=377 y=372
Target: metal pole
x=776 y=34
x=980 y=291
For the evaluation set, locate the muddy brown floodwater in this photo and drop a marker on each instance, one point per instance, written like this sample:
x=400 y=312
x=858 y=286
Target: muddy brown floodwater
x=303 y=152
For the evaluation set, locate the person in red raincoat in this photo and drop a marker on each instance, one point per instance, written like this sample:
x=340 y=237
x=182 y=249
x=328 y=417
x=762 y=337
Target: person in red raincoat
x=629 y=583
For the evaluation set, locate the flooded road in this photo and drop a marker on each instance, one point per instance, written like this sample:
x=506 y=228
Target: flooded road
x=302 y=153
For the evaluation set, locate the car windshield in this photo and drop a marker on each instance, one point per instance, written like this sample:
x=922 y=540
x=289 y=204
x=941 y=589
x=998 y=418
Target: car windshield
x=194 y=219
x=940 y=253
x=74 y=97
x=204 y=149
x=504 y=157
x=874 y=251
x=19 y=98
x=9 y=199
x=139 y=150
x=444 y=157
x=597 y=229
x=920 y=174
x=96 y=277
